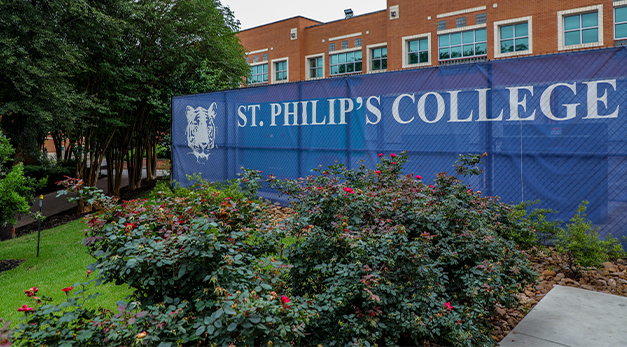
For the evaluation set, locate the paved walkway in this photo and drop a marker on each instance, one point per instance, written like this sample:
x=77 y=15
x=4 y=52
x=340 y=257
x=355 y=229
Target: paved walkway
x=52 y=204
x=572 y=317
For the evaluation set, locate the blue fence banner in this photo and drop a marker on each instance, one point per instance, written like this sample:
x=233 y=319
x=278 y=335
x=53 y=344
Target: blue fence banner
x=554 y=128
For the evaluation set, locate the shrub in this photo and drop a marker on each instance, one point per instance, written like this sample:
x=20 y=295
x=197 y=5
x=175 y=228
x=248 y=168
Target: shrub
x=16 y=190
x=389 y=261
x=582 y=245
x=202 y=271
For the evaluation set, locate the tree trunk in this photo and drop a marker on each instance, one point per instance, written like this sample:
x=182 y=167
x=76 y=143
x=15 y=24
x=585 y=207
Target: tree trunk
x=151 y=161
x=110 y=173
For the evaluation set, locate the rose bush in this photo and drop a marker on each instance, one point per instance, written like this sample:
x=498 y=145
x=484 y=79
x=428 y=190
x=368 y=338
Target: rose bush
x=201 y=270
x=390 y=261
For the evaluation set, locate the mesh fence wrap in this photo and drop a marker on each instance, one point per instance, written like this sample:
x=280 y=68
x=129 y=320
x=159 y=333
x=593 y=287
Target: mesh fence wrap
x=554 y=128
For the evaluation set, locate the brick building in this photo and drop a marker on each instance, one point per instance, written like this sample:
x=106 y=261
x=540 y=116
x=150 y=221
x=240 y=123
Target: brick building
x=415 y=34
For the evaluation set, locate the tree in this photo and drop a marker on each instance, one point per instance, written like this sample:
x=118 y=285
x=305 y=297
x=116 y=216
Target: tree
x=38 y=57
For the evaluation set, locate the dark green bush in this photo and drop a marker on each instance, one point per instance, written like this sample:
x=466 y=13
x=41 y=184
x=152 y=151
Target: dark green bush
x=390 y=261
x=202 y=273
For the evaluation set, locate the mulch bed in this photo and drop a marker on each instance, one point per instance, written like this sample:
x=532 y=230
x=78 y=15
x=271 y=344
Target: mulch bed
x=9 y=264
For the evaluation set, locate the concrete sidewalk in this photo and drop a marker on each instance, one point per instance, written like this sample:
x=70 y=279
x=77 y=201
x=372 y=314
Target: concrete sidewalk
x=52 y=204
x=572 y=317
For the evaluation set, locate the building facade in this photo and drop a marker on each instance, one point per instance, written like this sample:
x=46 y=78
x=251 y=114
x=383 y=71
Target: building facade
x=411 y=34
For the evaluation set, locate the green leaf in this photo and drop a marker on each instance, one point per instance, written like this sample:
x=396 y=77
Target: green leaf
x=200 y=330
x=232 y=327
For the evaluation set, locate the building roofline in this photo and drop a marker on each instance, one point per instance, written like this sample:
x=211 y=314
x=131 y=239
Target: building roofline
x=337 y=20
x=282 y=20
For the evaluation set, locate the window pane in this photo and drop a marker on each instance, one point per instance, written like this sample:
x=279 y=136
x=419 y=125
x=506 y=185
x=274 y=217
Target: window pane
x=334 y=70
x=481 y=48
x=522 y=29
x=342 y=69
x=456 y=52
x=621 y=31
x=590 y=35
x=571 y=22
x=444 y=53
x=424 y=57
x=376 y=53
x=507 y=46
x=424 y=44
x=571 y=38
x=358 y=56
x=319 y=62
x=265 y=77
x=480 y=35
x=349 y=67
x=341 y=58
x=621 y=14
x=443 y=39
x=350 y=57
x=522 y=44
x=413 y=46
x=384 y=52
x=507 y=32
x=358 y=67
x=265 y=68
x=456 y=39
x=376 y=65
x=413 y=58
x=469 y=37
x=469 y=50
x=589 y=20
x=334 y=59
x=384 y=64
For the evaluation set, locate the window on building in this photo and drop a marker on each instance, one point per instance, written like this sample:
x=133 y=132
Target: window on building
x=418 y=51
x=514 y=38
x=463 y=44
x=259 y=74
x=331 y=47
x=442 y=25
x=345 y=63
x=379 y=59
x=481 y=18
x=460 y=22
x=280 y=71
x=315 y=67
x=345 y=44
x=581 y=28
x=357 y=42
x=620 y=23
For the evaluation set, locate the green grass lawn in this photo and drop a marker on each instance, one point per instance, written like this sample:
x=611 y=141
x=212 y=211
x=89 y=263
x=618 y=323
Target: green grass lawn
x=61 y=263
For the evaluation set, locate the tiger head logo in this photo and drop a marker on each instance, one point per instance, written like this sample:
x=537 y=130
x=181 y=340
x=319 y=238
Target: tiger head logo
x=201 y=131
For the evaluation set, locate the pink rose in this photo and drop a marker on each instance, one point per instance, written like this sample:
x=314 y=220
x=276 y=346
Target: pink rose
x=393 y=162
x=68 y=289
x=418 y=177
x=380 y=155
x=393 y=155
x=448 y=306
x=377 y=171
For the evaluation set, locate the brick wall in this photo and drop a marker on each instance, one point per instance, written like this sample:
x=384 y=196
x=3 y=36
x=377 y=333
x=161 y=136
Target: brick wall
x=415 y=18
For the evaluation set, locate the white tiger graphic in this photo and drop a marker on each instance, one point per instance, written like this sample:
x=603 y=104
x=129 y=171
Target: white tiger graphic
x=201 y=131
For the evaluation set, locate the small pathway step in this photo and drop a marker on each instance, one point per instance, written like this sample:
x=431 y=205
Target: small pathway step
x=572 y=317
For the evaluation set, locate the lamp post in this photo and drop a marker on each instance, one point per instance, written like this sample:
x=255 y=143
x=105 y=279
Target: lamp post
x=41 y=198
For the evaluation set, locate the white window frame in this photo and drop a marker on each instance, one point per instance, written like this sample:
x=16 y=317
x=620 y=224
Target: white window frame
x=406 y=39
x=369 y=49
x=463 y=29
x=307 y=66
x=617 y=4
x=287 y=65
x=347 y=50
x=255 y=64
x=578 y=11
x=497 y=36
